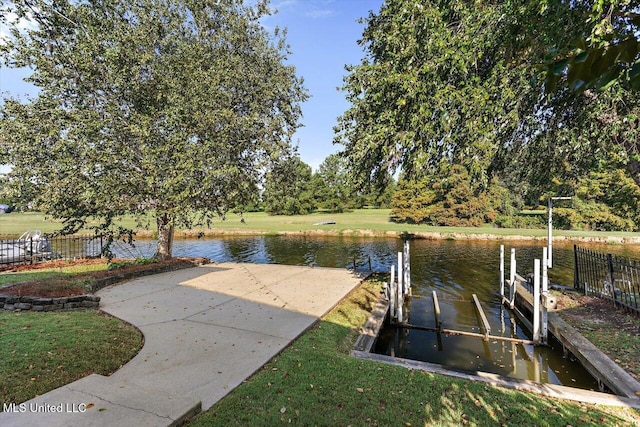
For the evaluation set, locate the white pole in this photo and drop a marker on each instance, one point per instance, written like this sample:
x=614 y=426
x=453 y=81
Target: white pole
x=545 y=292
x=400 y=287
x=536 y=300
x=512 y=278
x=550 y=235
x=392 y=292
x=501 y=272
x=407 y=269
x=545 y=265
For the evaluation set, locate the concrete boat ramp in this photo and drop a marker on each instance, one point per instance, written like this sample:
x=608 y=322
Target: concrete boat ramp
x=206 y=330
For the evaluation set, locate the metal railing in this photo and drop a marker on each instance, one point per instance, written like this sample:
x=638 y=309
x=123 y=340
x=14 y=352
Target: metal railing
x=34 y=247
x=608 y=276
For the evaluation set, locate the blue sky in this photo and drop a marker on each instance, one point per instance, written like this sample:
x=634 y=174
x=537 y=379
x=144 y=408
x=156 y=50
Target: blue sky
x=323 y=37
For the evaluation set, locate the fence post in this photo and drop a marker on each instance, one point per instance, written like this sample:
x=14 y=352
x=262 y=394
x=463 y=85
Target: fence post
x=612 y=278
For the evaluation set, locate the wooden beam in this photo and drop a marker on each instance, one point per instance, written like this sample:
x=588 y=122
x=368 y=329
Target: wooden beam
x=464 y=333
x=485 y=323
x=436 y=310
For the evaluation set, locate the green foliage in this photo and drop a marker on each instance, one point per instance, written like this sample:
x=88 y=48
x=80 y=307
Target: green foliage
x=606 y=200
x=451 y=199
x=412 y=201
x=445 y=82
x=171 y=106
x=608 y=54
x=332 y=187
x=288 y=188
x=116 y=265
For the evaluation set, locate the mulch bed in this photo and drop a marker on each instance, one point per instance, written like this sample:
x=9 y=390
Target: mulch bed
x=73 y=286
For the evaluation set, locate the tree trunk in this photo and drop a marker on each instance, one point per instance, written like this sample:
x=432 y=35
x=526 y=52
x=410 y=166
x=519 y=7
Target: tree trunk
x=165 y=237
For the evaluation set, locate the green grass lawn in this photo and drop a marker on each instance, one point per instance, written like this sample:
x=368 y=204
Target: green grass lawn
x=43 y=351
x=316 y=382
x=59 y=272
x=360 y=222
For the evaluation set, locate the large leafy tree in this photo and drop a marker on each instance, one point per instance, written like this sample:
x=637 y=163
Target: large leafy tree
x=177 y=107
x=443 y=82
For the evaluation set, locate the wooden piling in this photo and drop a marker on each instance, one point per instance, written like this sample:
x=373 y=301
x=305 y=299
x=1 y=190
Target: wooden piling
x=436 y=310
x=485 y=323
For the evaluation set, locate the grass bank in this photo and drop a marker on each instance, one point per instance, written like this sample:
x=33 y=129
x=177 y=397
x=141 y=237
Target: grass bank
x=43 y=351
x=360 y=222
x=43 y=272
x=316 y=382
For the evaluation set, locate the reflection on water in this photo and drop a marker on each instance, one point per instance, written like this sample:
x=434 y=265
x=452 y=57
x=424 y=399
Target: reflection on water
x=454 y=269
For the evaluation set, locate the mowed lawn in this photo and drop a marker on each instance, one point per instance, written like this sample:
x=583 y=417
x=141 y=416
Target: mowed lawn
x=362 y=222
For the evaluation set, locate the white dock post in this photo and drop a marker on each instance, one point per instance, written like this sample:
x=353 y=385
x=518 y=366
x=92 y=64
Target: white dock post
x=536 y=301
x=501 y=272
x=393 y=293
x=544 y=319
x=400 y=288
x=407 y=269
x=512 y=279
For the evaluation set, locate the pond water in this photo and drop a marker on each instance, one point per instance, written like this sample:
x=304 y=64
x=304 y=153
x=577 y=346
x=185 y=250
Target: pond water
x=454 y=269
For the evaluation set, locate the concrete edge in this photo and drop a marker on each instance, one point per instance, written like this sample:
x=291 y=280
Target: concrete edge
x=550 y=390
x=371 y=330
x=186 y=417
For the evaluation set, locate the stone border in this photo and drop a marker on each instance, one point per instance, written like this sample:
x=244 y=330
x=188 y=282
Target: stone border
x=27 y=303
x=32 y=303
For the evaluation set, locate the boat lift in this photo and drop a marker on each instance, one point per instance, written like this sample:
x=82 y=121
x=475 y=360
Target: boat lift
x=398 y=293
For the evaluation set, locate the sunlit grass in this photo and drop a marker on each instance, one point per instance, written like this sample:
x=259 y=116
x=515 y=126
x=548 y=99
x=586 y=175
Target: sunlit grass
x=59 y=272
x=368 y=222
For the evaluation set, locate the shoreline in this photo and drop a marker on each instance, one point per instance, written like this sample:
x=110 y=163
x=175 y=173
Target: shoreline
x=419 y=235
x=559 y=235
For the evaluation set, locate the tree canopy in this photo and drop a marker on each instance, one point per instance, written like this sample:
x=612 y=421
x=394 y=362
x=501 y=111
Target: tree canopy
x=444 y=83
x=608 y=54
x=172 y=106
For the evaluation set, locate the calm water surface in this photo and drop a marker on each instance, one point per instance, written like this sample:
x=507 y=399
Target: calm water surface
x=454 y=269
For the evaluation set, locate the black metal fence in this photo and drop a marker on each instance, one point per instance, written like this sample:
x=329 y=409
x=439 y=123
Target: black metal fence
x=34 y=247
x=608 y=276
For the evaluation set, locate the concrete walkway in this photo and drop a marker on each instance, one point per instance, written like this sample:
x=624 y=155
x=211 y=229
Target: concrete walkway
x=206 y=330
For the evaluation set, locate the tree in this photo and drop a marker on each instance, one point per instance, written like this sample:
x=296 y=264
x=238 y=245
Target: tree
x=609 y=54
x=171 y=106
x=332 y=188
x=287 y=188
x=446 y=83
